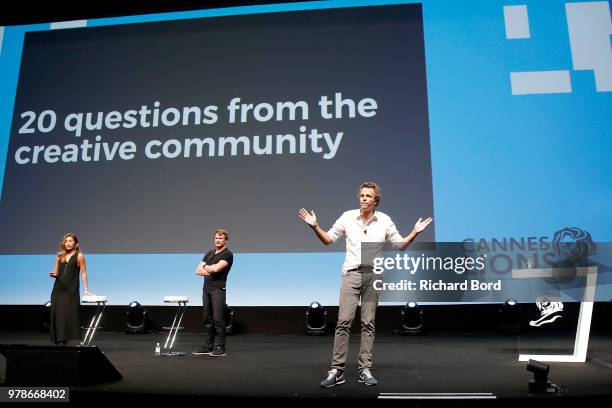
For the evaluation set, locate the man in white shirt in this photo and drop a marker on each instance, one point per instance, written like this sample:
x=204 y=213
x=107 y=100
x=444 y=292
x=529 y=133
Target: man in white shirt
x=362 y=225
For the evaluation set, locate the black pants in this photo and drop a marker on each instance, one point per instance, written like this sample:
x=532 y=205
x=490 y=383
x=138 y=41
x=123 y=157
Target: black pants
x=213 y=300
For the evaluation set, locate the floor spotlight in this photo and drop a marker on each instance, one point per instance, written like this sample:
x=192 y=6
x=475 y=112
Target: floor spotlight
x=136 y=318
x=540 y=381
x=509 y=316
x=316 y=320
x=45 y=317
x=228 y=315
x=412 y=319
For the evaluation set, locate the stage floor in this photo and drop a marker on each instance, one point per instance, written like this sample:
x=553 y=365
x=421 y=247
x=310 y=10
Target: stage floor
x=292 y=366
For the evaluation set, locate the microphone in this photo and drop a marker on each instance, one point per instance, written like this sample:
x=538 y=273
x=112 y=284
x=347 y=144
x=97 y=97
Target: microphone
x=365 y=231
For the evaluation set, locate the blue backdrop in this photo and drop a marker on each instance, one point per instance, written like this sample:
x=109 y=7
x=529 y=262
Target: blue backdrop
x=503 y=164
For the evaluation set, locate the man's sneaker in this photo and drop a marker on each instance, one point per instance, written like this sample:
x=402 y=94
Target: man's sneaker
x=203 y=351
x=334 y=377
x=367 y=378
x=219 y=352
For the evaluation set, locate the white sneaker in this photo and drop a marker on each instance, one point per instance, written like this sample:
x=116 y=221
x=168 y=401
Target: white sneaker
x=367 y=378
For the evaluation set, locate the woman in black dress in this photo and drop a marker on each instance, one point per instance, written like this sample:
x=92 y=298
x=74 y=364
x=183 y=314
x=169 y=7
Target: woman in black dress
x=65 y=301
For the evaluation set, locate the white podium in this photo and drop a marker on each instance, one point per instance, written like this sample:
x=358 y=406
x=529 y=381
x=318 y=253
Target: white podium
x=583 y=330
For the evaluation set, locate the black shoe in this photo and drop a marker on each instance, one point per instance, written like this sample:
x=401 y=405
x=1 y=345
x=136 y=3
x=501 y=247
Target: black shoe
x=203 y=351
x=219 y=352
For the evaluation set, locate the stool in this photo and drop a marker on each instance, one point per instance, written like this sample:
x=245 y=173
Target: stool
x=93 y=325
x=176 y=324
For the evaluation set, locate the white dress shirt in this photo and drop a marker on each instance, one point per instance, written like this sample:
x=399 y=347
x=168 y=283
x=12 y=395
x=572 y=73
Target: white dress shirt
x=380 y=228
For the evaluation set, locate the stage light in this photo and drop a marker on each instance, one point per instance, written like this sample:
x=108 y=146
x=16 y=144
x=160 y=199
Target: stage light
x=228 y=315
x=136 y=318
x=316 y=320
x=412 y=319
x=509 y=316
x=540 y=381
x=45 y=317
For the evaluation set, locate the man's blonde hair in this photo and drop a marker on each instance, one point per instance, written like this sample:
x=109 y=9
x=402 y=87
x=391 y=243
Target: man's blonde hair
x=221 y=231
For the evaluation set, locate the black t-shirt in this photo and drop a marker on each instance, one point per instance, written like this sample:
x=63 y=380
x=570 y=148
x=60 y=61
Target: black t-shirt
x=218 y=280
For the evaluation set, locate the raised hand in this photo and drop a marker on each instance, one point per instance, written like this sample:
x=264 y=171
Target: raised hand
x=308 y=218
x=422 y=224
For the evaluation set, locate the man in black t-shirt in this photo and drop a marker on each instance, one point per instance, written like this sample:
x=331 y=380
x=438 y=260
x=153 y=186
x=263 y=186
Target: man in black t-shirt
x=215 y=267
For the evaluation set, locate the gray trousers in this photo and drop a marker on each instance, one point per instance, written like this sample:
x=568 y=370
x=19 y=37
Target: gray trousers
x=356 y=285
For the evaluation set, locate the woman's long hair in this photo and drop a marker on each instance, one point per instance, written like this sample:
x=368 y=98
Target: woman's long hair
x=62 y=250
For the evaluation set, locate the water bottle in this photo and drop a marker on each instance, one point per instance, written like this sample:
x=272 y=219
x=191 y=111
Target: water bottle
x=157 y=349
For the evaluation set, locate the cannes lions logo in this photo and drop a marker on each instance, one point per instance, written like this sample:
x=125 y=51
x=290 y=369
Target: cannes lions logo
x=550 y=306
x=572 y=247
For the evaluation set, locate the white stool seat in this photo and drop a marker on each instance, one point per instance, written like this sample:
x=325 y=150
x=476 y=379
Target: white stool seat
x=176 y=299
x=94 y=299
